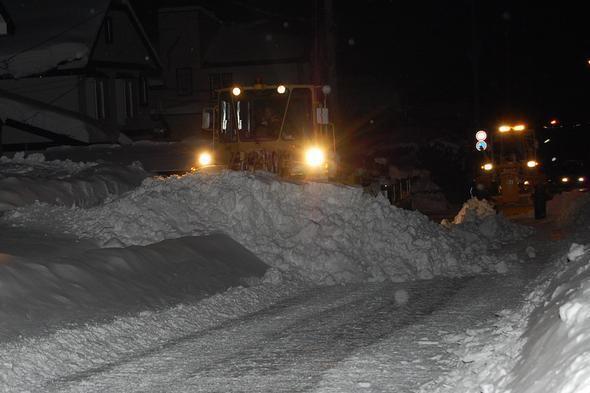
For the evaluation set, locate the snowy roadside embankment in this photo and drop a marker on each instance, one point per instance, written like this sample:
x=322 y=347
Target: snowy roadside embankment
x=24 y=181
x=37 y=292
x=327 y=233
x=478 y=220
x=544 y=346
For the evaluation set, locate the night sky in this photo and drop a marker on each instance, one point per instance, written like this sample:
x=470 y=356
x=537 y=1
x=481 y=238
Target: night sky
x=421 y=58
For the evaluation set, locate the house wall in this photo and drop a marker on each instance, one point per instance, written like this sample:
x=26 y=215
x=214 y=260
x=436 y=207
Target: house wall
x=122 y=58
x=126 y=45
x=185 y=34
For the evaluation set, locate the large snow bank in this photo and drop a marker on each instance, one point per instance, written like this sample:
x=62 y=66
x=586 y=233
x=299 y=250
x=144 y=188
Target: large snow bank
x=25 y=180
x=477 y=219
x=542 y=347
x=39 y=291
x=327 y=233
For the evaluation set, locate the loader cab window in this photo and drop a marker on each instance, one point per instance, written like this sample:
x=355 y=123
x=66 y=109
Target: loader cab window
x=299 y=118
x=254 y=115
x=227 y=131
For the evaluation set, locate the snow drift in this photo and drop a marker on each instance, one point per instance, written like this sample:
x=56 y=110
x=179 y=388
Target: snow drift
x=327 y=233
x=38 y=291
x=24 y=181
x=544 y=345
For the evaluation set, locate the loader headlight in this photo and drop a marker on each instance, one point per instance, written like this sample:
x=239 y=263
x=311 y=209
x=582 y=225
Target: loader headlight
x=205 y=158
x=314 y=157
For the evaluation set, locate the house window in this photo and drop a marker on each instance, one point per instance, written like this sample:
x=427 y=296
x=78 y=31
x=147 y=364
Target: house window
x=218 y=81
x=129 y=100
x=184 y=81
x=143 y=91
x=100 y=91
x=108 y=30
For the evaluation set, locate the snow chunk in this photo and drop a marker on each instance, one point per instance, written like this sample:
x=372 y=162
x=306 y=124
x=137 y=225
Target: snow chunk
x=576 y=252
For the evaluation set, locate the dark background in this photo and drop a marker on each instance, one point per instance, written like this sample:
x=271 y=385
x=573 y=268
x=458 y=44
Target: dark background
x=414 y=71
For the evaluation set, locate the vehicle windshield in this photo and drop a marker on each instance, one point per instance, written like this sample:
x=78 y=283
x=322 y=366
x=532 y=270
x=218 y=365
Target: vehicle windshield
x=514 y=148
x=266 y=115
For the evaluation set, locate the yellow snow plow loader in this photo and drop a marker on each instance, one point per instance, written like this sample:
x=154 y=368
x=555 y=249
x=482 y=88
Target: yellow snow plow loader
x=284 y=129
x=510 y=172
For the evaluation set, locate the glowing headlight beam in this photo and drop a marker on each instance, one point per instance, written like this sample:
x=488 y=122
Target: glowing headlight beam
x=488 y=167
x=236 y=91
x=504 y=128
x=314 y=157
x=532 y=163
x=281 y=89
x=205 y=158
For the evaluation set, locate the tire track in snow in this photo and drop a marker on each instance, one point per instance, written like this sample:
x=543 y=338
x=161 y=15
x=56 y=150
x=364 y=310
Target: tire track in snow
x=286 y=347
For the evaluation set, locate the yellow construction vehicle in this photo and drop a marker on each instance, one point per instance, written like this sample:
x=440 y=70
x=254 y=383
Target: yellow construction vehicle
x=284 y=129
x=510 y=170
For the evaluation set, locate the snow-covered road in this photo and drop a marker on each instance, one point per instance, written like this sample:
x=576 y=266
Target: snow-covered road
x=383 y=337
x=240 y=282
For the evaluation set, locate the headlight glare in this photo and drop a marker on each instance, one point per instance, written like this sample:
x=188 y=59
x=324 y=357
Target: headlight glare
x=314 y=157
x=205 y=158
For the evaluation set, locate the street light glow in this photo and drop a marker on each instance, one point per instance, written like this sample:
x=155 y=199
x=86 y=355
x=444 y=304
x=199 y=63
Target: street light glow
x=236 y=91
x=504 y=128
x=532 y=163
x=488 y=167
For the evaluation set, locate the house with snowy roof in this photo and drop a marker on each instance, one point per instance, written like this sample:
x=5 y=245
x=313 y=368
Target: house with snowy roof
x=202 y=52
x=74 y=72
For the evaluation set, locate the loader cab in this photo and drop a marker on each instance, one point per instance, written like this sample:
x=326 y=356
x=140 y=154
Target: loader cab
x=277 y=128
x=266 y=114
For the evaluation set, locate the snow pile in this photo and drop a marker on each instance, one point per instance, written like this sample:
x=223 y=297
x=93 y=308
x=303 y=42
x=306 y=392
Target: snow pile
x=556 y=357
x=40 y=291
x=478 y=220
x=25 y=180
x=570 y=208
x=542 y=347
x=327 y=233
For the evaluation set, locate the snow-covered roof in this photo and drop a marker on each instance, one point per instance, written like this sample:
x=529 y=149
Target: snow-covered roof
x=48 y=36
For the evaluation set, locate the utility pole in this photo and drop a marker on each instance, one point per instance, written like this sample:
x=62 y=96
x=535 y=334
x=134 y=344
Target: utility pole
x=475 y=48
x=323 y=53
